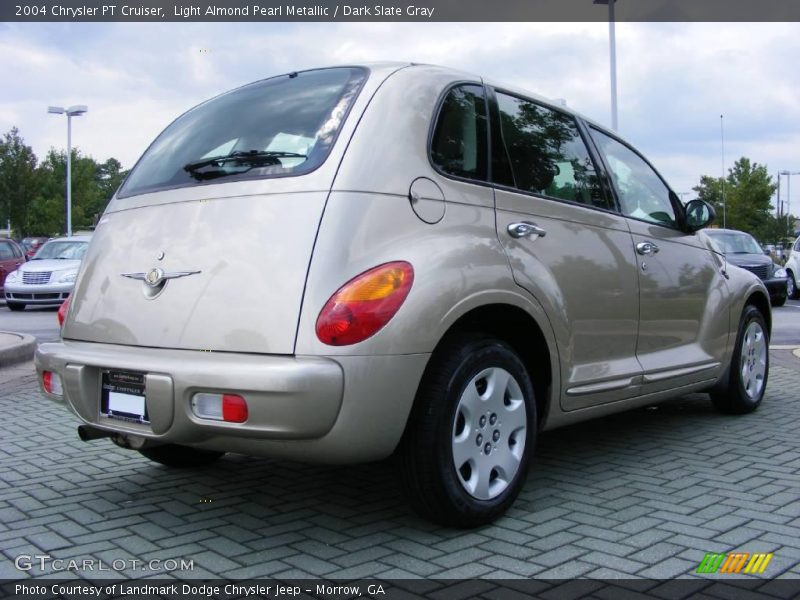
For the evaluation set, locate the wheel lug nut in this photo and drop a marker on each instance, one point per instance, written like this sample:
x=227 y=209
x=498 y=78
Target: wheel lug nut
x=482 y=421
x=487 y=448
x=496 y=435
x=493 y=419
x=479 y=440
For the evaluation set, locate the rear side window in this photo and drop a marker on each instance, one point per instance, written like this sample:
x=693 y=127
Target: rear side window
x=547 y=153
x=281 y=126
x=459 y=146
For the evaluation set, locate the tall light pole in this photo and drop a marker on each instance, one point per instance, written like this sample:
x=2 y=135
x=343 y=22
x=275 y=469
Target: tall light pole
x=788 y=187
x=72 y=111
x=722 y=180
x=612 y=57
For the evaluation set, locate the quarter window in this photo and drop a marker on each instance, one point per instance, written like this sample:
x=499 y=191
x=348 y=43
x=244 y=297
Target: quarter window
x=547 y=153
x=642 y=193
x=459 y=144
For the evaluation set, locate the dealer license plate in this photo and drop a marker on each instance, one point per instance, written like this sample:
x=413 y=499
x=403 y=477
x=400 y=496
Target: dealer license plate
x=123 y=396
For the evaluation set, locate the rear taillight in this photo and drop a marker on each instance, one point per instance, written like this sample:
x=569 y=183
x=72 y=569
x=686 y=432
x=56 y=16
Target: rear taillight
x=364 y=304
x=51 y=382
x=231 y=408
x=62 y=312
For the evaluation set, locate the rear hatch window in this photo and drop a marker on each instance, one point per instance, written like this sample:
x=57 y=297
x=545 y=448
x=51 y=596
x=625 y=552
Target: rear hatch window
x=279 y=127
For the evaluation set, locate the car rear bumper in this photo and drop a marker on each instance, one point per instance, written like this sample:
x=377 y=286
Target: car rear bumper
x=318 y=409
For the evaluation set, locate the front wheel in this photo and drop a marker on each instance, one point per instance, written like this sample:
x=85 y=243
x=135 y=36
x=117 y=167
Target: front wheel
x=749 y=369
x=791 y=287
x=778 y=301
x=172 y=455
x=468 y=443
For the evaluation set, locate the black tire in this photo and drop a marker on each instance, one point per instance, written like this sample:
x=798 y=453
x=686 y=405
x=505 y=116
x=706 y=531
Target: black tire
x=791 y=288
x=737 y=395
x=172 y=455
x=778 y=300
x=15 y=306
x=433 y=483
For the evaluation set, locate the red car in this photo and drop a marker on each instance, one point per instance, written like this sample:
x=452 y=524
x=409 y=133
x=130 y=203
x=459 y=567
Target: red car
x=11 y=256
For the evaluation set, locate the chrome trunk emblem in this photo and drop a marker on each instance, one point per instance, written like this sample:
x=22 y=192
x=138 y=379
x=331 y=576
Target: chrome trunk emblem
x=156 y=276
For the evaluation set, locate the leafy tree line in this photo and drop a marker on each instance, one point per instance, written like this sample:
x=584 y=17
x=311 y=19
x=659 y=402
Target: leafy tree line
x=748 y=189
x=33 y=193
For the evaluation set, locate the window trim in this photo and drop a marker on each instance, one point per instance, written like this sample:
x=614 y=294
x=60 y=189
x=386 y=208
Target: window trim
x=679 y=213
x=611 y=200
x=437 y=111
x=366 y=72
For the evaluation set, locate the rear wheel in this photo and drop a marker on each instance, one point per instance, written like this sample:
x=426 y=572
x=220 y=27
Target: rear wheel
x=749 y=369
x=15 y=306
x=172 y=455
x=467 y=446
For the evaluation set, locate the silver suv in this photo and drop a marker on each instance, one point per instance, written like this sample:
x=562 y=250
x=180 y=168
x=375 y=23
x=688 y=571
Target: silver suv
x=340 y=264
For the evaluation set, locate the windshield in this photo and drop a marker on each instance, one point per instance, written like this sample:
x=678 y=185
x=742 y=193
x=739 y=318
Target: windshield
x=65 y=250
x=281 y=126
x=734 y=243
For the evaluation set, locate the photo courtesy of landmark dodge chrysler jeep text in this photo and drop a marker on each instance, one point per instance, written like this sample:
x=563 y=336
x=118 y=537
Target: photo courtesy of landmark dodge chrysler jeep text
x=340 y=264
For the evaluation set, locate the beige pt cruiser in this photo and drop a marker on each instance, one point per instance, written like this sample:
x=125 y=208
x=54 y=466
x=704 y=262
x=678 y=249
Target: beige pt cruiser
x=338 y=265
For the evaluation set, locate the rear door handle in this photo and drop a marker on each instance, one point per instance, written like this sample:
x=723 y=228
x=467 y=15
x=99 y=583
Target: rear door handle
x=646 y=248
x=525 y=229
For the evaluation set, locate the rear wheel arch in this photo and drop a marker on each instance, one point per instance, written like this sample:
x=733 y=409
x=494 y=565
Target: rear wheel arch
x=520 y=330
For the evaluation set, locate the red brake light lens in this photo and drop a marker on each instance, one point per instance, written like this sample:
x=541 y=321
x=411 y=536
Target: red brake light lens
x=234 y=408
x=62 y=312
x=362 y=306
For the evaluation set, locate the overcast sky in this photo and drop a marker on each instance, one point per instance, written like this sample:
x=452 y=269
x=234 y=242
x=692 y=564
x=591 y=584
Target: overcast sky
x=674 y=80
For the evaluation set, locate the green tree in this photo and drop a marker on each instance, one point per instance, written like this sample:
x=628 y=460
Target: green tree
x=748 y=189
x=17 y=180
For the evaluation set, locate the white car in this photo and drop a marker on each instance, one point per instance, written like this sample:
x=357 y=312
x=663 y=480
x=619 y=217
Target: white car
x=48 y=278
x=793 y=271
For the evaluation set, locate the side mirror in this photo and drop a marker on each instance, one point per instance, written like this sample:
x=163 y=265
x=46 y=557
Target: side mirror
x=698 y=214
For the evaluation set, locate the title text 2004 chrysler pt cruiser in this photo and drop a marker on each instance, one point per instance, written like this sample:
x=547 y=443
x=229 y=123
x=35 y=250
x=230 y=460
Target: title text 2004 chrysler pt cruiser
x=337 y=264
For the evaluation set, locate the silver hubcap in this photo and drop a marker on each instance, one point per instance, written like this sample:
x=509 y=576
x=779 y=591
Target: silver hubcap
x=489 y=433
x=790 y=285
x=754 y=360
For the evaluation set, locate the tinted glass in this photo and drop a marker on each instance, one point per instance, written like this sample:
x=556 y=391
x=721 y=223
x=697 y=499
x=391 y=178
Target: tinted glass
x=547 y=153
x=64 y=250
x=16 y=250
x=642 y=193
x=729 y=242
x=280 y=126
x=459 y=144
x=5 y=251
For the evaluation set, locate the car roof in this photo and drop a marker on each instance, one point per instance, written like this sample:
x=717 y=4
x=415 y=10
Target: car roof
x=74 y=238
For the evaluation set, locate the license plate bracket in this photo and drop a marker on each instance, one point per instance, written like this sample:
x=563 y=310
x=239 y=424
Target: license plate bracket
x=122 y=396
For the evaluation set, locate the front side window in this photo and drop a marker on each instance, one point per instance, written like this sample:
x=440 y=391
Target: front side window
x=642 y=193
x=5 y=251
x=547 y=153
x=63 y=250
x=277 y=127
x=459 y=144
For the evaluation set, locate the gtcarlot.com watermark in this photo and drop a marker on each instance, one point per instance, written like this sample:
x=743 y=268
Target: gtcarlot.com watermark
x=46 y=563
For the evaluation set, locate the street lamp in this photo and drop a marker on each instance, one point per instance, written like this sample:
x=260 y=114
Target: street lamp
x=72 y=111
x=612 y=52
x=788 y=187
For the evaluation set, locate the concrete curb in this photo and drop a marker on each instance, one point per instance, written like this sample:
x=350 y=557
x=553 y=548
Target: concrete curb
x=16 y=348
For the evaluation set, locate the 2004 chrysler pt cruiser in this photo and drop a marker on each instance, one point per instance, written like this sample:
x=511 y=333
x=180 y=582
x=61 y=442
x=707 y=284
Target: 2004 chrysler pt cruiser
x=340 y=264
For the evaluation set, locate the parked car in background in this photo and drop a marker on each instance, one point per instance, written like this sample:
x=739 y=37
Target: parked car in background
x=32 y=245
x=742 y=250
x=48 y=278
x=12 y=255
x=793 y=271
x=413 y=261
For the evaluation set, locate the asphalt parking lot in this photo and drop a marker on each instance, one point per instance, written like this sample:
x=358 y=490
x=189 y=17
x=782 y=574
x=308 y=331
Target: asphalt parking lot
x=642 y=494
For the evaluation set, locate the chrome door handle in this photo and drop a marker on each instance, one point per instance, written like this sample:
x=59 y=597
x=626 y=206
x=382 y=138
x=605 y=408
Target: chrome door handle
x=646 y=248
x=525 y=229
